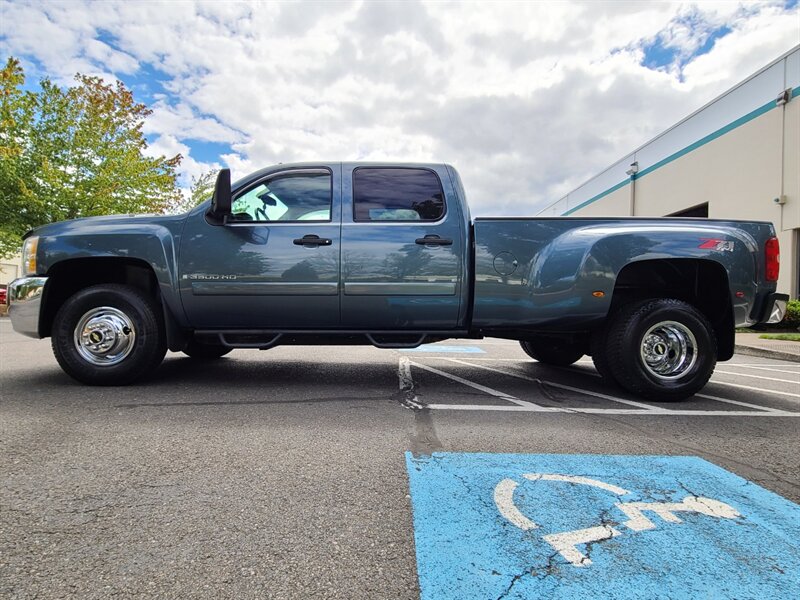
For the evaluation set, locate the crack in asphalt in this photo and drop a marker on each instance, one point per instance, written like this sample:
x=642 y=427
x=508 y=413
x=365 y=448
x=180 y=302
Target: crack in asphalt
x=511 y=585
x=549 y=570
x=424 y=441
x=549 y=392
x=605 y=521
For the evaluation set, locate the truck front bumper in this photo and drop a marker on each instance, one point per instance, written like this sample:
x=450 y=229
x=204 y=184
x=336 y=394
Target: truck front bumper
x=24 y=304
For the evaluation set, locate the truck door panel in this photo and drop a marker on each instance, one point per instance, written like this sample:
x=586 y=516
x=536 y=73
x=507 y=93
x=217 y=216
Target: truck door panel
x=402 y=250
x=275 y=264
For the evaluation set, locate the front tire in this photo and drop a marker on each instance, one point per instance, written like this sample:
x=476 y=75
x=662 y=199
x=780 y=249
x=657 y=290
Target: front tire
x=108 y=335
x=661 y=349
x=552 y=351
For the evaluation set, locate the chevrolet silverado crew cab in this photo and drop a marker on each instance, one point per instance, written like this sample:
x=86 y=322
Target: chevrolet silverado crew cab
x=387 y=254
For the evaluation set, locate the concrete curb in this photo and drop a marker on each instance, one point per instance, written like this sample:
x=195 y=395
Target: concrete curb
x=766 y=353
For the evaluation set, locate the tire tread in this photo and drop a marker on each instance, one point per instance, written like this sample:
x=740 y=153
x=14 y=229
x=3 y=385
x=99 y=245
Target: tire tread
x=128 y=371
x=618 y=353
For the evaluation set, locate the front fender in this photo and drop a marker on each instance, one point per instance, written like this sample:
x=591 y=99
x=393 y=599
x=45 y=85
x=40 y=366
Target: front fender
x=148 y=242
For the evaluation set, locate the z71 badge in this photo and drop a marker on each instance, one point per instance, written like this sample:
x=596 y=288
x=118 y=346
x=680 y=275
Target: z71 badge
x=718 y=245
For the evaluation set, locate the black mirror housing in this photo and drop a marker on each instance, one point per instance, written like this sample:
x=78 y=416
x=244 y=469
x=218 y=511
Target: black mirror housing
x=221 y=200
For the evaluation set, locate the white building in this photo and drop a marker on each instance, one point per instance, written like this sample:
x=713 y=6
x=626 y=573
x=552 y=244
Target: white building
x=10 y=269
x=738 y=157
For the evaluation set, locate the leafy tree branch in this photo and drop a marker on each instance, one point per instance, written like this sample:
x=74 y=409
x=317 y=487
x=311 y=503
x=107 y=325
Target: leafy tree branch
x=75 y=152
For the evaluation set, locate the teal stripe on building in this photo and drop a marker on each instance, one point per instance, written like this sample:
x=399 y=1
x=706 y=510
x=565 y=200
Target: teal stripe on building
x=754 y=114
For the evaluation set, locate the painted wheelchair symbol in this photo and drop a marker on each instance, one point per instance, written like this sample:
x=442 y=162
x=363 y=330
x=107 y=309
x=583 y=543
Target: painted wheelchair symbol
x=566 y=543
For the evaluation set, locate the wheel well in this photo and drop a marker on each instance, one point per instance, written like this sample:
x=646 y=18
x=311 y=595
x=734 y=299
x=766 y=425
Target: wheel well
x=701 y=283
x=69 y=276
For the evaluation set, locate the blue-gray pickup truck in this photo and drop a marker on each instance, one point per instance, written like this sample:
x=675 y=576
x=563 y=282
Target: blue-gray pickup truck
x=387 y=254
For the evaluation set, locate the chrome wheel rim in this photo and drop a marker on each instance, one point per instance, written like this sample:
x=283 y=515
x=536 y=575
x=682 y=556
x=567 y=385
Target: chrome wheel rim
x=104 y=336
x=668 y=350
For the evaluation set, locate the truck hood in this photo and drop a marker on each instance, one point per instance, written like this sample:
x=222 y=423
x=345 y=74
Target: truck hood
x=87 y=224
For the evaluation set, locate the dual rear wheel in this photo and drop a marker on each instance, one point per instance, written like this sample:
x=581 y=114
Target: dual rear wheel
x=552 y=351
x=660 y=349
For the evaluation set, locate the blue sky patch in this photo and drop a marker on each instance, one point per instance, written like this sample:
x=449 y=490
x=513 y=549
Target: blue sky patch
x=572 y=526
x=146 y=83
x=664 y=53
x=209 y=152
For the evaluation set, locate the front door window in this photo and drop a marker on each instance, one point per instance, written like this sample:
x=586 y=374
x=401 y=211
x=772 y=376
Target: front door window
x=292 y=196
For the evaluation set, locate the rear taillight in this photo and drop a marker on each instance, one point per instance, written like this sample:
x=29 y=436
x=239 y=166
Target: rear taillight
x=772 y=253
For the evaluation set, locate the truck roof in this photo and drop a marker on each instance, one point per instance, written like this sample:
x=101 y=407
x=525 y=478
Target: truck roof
x=350 y=164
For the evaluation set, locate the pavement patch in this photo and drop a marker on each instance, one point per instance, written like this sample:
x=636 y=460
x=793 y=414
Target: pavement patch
x=568 y=526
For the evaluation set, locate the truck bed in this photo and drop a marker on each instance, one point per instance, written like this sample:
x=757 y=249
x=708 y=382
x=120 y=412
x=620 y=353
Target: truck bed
x=540 y=272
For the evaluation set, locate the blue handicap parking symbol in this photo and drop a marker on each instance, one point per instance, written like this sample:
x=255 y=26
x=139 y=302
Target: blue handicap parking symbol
x=593 y=526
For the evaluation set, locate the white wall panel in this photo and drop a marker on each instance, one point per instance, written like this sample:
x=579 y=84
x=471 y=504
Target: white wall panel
x=737 y=153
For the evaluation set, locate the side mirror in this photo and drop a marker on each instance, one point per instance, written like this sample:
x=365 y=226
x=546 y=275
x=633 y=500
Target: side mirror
x=221 y=200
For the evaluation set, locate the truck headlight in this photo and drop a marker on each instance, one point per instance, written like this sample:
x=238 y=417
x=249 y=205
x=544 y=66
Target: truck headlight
x=29 y=249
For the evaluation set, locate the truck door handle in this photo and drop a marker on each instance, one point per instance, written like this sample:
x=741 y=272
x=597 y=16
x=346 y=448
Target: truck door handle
x=434 y=240
x=312 y=240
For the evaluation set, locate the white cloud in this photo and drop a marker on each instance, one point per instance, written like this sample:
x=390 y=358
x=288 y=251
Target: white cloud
x=183 y=122
x=168 y=146
x=751 y=44
x=114 y=60
x=526 y=99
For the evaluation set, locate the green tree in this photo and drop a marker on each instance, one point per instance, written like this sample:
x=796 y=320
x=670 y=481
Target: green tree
x=201 y=189
x=74 y=152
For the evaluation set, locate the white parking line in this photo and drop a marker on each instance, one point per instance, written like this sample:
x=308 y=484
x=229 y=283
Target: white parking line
x=523 y=406
x=588 y=361
x=407 y=383
x=755 y=389
x=717 y=398
x=738 y=403
x=760 y=368
x=783 y=363
x=483 y=388
x=527 y=361
x=469 y=342
x=557 y=385
x=796 y=381
x=660 y=412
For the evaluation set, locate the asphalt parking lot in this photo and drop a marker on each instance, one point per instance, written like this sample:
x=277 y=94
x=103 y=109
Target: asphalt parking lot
x=283 y=474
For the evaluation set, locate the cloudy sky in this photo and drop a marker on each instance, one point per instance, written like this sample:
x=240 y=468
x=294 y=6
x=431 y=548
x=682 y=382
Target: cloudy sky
x=526 y=99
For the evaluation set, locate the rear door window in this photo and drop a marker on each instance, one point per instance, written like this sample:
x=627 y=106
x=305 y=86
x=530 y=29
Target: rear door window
x=395 y=194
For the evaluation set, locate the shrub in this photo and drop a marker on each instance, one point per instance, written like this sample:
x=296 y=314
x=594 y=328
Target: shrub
x=791 y=320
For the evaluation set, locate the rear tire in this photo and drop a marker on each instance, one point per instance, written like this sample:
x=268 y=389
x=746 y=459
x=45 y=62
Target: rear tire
x=599 y=355
x=661 y=349
x=552 y=351
x=201 y=351
x=108 y=335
